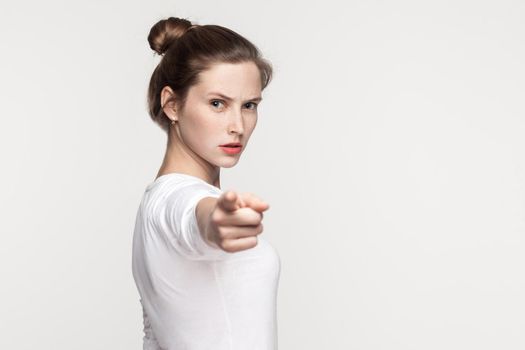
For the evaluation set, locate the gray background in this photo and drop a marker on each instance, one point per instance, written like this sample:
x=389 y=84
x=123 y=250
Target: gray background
x=389 y=145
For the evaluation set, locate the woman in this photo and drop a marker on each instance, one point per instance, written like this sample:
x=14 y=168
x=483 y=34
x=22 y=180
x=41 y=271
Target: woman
x=205 y=277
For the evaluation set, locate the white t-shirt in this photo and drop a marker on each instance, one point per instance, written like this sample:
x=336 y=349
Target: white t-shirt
x=195 y=296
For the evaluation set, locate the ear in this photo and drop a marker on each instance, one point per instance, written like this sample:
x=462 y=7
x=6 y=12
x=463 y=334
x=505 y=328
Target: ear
x=167 y=101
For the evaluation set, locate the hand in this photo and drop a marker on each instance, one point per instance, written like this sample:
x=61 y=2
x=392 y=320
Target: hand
x=235 y=221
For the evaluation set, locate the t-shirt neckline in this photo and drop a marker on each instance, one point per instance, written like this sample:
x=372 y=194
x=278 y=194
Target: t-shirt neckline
x=168 y=175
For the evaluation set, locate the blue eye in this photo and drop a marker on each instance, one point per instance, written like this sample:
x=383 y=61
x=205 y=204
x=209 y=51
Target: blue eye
x=212 y=102
x=249 y=105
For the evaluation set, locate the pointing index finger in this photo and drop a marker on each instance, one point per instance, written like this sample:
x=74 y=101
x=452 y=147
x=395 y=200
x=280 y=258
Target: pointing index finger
x=230 y=201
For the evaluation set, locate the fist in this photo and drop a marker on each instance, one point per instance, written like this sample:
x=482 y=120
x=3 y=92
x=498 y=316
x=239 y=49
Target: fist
x=235 y=221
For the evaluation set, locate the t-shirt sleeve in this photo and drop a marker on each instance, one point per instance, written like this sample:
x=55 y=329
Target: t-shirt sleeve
x=177 y=220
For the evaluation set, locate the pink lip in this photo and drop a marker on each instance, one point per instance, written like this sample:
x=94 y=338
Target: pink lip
x=232 y=144
x=231 y=150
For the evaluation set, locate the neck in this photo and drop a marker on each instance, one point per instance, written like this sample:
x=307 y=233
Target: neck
x=180 y=159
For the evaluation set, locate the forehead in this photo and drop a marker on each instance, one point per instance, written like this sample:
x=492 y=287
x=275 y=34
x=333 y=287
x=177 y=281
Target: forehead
x=232 y=79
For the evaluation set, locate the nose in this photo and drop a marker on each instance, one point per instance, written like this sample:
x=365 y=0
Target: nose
x=236 y=123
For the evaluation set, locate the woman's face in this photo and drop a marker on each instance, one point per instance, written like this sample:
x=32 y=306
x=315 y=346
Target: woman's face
x=220 y=109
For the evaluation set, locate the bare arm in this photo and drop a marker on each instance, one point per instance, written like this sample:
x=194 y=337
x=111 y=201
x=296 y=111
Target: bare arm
x=203 y=213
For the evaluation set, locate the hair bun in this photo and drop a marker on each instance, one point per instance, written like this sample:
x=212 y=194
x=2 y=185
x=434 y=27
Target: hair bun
x=165 y=32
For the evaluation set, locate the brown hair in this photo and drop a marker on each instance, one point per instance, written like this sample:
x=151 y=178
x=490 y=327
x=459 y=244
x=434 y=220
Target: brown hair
x=188 y=50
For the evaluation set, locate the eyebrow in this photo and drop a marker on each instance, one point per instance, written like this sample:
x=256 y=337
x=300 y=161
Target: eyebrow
x=257 y=98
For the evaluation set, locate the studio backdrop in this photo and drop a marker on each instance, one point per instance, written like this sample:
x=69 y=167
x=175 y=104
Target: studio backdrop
x=390 y=146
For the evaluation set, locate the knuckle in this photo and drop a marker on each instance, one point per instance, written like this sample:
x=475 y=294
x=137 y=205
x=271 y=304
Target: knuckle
x=223 y=244
x=215 y=217
x=221 y=232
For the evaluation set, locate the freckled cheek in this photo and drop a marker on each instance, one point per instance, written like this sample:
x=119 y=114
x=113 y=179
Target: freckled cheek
x=250 y=126
x=196 y=132
x=208 y=133
x=204 y=123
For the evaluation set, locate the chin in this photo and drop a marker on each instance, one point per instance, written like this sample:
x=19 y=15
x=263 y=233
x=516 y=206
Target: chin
x=230 y=163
